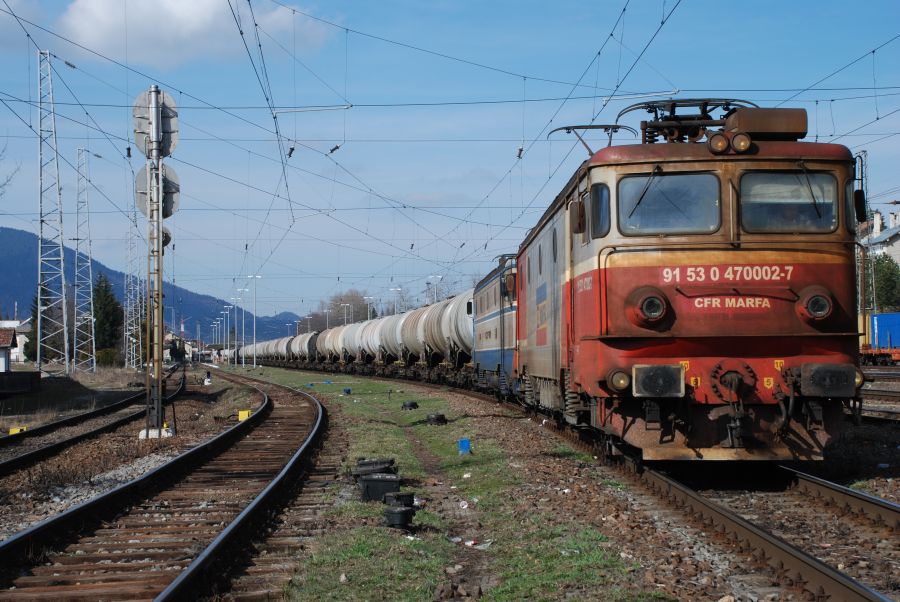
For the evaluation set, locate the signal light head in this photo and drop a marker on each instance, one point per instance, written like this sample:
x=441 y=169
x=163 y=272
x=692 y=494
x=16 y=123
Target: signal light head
x=718 y=143
x=741 y=142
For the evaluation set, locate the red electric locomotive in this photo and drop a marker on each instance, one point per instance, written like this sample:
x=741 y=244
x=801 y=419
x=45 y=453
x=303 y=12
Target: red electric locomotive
x=694 y=296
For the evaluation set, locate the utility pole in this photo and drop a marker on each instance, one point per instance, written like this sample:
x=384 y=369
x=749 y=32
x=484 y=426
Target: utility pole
x=156 y=194
x=254 y=277
x=85 y=357
x=132 y=325
x=227 y=313
x=52 y=321
x=243 y=325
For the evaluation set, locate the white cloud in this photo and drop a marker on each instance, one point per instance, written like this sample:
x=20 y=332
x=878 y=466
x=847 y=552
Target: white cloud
x=169 y=33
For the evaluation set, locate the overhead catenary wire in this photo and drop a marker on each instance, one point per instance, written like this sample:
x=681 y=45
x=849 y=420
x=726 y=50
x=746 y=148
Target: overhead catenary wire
x=379 y=207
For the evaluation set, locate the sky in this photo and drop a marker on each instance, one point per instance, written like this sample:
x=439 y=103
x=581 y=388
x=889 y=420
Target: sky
x=375 y=145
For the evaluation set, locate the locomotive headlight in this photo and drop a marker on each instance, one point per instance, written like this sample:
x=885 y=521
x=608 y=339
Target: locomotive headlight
x=648 y=307
x=653 y=308
x=859 y=379
x=618 y=380
x=815 y=304
x=718 y=143
x=818 y=306
x=740 y=142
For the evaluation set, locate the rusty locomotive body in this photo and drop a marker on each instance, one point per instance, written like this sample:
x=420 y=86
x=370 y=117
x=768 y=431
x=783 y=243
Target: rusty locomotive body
x=692 y=296
x=696 y=297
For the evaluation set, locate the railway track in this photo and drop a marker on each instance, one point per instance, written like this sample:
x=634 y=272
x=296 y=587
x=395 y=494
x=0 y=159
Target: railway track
x=28 y=447
x=793 y=567
x=172 y=532
x=881 y=405
x=881 y=373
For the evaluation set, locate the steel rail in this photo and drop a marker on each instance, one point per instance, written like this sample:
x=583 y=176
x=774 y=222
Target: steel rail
x=819 y=578
x=880 y=393
x=856 y=501
x=18 y=462
x=28 y=541
x=7 y=440
x=196 y=575
x=75 y=419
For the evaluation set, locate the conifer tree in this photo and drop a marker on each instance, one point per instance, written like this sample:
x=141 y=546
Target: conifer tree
x=107 y=315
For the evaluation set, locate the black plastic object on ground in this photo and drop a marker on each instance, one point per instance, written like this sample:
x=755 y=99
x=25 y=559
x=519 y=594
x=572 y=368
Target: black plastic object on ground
x=375 y=486
x=403 y=499
x=372 y=466
x=410 y=405
x=374 y=461
x=437 y=419
x=398 y=517
x=361 y=471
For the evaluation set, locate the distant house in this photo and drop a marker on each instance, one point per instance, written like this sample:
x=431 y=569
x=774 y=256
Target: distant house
x=7 y=343
x=884 y=240
x=23 y=330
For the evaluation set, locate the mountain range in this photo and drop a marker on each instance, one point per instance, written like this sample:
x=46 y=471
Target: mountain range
x=18 y=284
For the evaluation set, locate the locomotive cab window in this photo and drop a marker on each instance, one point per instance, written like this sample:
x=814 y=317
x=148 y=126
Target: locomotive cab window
x=599 y=210
x=801 y=201
x=673 y=203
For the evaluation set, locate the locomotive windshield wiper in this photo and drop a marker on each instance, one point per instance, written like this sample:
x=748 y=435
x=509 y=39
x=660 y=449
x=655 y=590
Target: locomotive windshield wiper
x=809 y=187
x=656 y=169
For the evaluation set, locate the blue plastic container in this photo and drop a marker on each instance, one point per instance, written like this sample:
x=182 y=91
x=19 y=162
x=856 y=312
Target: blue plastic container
x=464 y=446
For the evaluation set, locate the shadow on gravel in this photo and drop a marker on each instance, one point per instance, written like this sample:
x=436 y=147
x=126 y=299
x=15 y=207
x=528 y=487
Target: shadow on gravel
x=56 y=394
x=738 y=476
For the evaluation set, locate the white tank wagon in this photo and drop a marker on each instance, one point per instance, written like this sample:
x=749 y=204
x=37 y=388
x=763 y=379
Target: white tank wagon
x=282 y=348
x=321 y=347
x=436 y=343
x=333 y=343
x=458 y=326
x=304 y=346
x=412 y=333
x=349 y=341
x=369 y=338
x=392 y=337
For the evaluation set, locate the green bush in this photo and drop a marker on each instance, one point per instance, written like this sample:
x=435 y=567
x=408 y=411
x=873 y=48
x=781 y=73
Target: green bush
x=109 y=357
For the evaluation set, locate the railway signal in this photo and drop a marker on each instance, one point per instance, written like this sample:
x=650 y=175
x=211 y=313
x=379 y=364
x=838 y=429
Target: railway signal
x=156 y=195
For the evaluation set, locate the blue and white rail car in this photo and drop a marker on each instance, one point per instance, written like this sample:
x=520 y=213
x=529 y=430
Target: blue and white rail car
x=495 y=328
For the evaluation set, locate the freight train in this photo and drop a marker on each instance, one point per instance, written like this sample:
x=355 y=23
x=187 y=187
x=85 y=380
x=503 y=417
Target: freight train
x=690 y=297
